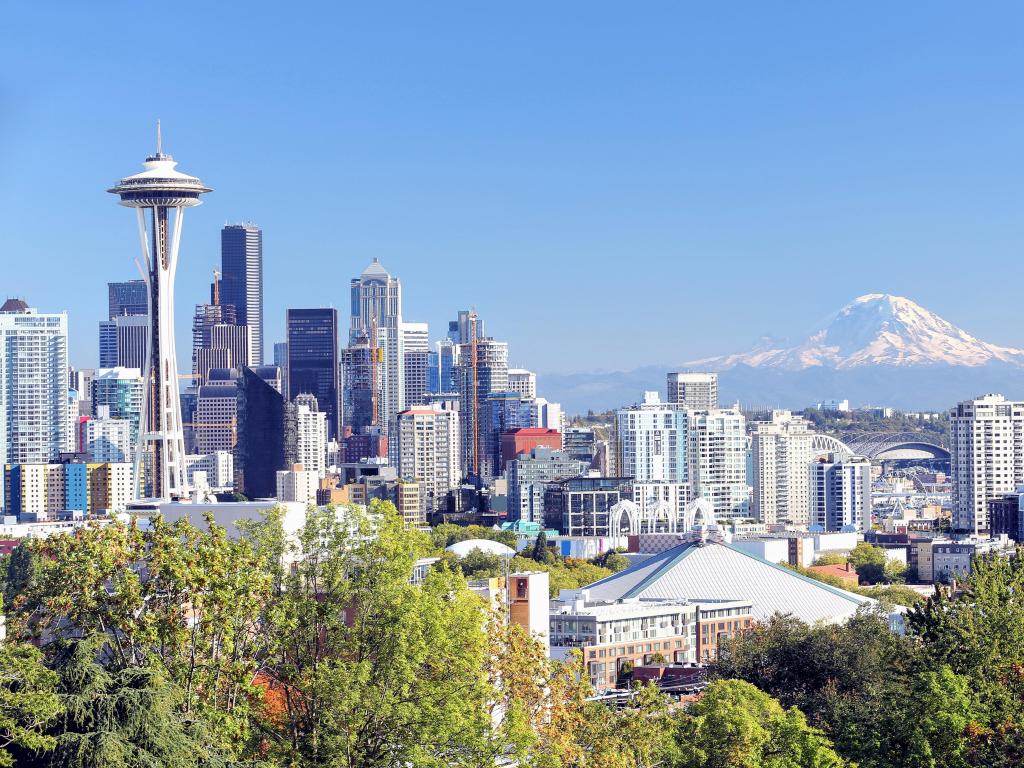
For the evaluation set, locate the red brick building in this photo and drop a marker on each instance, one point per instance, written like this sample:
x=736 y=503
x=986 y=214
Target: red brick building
x=525 y=440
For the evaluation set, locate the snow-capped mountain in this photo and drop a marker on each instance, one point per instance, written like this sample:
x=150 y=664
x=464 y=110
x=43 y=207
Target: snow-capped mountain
x=877 y=349
x=877 y=330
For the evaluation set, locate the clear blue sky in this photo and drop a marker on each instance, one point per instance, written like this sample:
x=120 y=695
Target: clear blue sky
x=610 y=184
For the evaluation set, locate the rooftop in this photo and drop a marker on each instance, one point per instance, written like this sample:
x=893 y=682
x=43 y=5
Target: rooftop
x=719 y=571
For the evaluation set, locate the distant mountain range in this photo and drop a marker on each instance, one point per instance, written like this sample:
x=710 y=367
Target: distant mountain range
x=878 y=349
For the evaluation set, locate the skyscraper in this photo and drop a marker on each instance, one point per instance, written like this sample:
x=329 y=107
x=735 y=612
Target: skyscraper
x=33 y=384
x=377 y=313
x=313 y=360
x=416 y=346
x=840 y=493
x=717 y=458
x=159 y=189
x=428 y=452
x=523 y=381
x=120 y=392
x=127 y=298
x=306 y=435
x=241 y=255
x=986 y=440
x=362 y=385
x=482 y=369
x=123 y=341
x=693 y=391
x=782 y=449
x=260 y=450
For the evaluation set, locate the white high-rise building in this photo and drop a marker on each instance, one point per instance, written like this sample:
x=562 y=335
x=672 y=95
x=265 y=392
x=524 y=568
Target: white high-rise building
x=986 y=438
x=310 y=426
x=652 y=441
x=33 y=384
x=782 y=448
x=652 y=448
x=119 y=391
x=693 y=391
x=428 y=453
x=840 y=493
x=545 y=414
x=108 y=439
x=717 y=456
x=523 y=381
x=416 y=343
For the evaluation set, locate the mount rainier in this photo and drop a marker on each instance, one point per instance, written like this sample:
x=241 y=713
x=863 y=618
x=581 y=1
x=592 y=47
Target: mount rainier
x=879 y=349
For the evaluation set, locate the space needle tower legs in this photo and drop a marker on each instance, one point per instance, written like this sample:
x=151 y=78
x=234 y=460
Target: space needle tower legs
x=153 y=193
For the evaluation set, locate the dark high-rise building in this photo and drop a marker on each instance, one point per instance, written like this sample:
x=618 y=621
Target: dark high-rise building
x=313 y=360
x=260 y=448
x=241 y=286
x=126 y=298
x=123 y=334
x=357 y=362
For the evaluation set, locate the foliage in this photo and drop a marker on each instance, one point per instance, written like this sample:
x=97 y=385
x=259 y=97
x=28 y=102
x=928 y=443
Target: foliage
x=735 y=724
x=613 y=560
x=840 y=676
x=541 y=552
x=890 y=595
x=369 y=669
x=184 y=600
x=477 y=564
x=112 y=718
x=21 y=571
x=28 y=701
x=869 y=562
x=569 y=573
x=831 y=558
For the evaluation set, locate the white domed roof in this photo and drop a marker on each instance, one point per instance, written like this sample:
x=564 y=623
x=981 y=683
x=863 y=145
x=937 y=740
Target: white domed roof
x=462 y=548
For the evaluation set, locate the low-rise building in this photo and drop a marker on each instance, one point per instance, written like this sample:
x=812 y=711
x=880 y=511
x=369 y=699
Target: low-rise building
x=718 y=623
x=618 y=634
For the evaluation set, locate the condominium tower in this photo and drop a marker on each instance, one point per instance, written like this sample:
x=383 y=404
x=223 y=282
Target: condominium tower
x=986 y=438
x=33 y=384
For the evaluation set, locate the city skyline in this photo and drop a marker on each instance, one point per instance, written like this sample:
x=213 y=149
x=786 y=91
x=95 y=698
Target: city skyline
x=665 y=142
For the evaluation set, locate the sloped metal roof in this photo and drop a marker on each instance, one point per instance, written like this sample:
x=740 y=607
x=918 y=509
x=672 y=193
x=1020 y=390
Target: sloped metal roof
x=715 y=571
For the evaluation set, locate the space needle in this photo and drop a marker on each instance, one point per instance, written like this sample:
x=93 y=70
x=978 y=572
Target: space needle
x=153 y=193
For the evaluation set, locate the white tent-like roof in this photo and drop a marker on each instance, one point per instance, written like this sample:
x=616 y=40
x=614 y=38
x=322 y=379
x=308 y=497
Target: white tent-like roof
x=462 y=548
x=713 y=570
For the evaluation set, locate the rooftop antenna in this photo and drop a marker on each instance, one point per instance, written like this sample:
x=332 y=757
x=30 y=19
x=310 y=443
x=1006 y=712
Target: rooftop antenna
x=159 y=142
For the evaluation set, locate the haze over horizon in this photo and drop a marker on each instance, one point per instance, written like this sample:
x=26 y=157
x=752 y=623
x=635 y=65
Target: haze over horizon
x=610 y=190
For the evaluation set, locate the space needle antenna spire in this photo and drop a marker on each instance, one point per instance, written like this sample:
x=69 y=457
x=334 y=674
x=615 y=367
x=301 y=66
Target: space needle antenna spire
x=159 y=142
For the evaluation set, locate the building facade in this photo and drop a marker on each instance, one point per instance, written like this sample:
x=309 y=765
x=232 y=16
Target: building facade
x=781 y=450
x=840 y=493
x=717 y=456
x=652 y=441
x=313 y=361
x=986 y=440
x=693 y=391
x=33 y=384
x=241 y=259
x=428 y=453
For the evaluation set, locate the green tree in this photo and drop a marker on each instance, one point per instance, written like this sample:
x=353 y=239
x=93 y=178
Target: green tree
x=869 y=562
x=126 y=718
x=369 y=669
x=479 y=565
x=22 y=570
x=183 y=601
x=735 y=724
x=831 y=558
x=541 y=552
x=842 y=677
x=28 y=701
